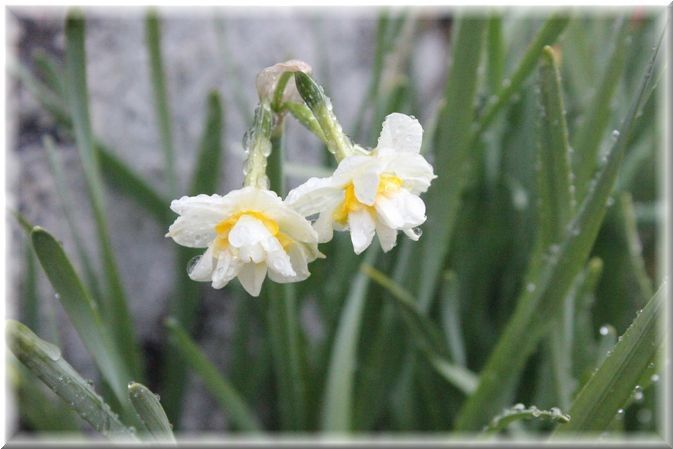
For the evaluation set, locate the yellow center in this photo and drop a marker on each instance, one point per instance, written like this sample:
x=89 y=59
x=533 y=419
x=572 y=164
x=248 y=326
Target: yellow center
x=224 y=227
x=387 y=184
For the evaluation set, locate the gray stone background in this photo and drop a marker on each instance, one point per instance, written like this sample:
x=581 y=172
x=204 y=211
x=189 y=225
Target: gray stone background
x=338 y=43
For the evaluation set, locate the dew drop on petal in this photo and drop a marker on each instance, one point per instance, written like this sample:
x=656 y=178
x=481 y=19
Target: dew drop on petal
x=192 y=263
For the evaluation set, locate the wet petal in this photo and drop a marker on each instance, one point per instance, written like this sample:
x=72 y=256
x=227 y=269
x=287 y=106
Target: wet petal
x=312 y=196
x=362 y=228
x=401 y=133
x=248 y=231
x=386 y=235
x=202 y=270
x=366 y=186
x=226 y=269
x=251 y=277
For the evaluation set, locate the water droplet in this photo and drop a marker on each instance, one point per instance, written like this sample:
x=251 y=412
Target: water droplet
x=518 y=407
x=530 y=287
x=191 y=264
x=418 y=231
x=610 y=201
x=615 y=134
x=638 y=396
x=655 y=378
x=604 y=330
x=57 y=296
x=506 y=83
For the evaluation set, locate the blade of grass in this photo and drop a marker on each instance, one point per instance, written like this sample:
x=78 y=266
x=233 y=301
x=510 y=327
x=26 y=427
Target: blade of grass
x=66 y=204
x=451 y=322
x=547 y=35
x=612 y=385
x=224 y=393
x=40 y=409
x=590 y=134
x=30 y=312
x=82 y=311
x=452 y=150
x=44 y=361
x=116 y=308
x=425 y=333
x=538 y=305
x=161 y=105
x=584 y=345
x=338 y=394
x=629 y=231
x=495 y=52
x=150 y=412
x=556 y=204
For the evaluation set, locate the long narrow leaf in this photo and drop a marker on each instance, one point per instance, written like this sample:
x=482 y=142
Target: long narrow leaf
x=161 y=106
x=452 y=150
x=81 y=310
x=338 y=398
x=613 y=383
x=223 y=392
x=78 y=103
x=150 y=412
x=44 y=361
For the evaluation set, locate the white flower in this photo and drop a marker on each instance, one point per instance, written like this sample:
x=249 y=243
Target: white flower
x=248 y=233
x=268 y=78
x=376 y=193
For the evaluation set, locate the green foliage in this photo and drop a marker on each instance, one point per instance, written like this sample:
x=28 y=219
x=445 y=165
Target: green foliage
x=524 y=277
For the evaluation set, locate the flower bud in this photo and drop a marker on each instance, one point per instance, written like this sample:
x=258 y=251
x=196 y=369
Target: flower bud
x=267 y=80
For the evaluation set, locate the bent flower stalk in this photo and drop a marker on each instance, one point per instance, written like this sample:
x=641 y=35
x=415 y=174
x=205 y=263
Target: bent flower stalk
x=248 y=233
x=373 y=193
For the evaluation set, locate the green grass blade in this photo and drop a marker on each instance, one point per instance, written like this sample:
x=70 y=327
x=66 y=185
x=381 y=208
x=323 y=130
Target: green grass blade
x=81 y=310
x=51 y=73
x=122 y=177
x=495 y=53
x=30 y=312
x=592 y=131
x=150 y=412
x=66 y=203
x=539 y=305
x=426 y=335
x=547 y=35
x=161 y=105
x=206 y=174
x=584 y=345
x=44 y=361
x=451 y=322
x=629 y=231
x=338 y=396
x=77 y=95
x=451 y=151
x=556 y=200
x=519 y=412
x=224 y=393
x=613 y=383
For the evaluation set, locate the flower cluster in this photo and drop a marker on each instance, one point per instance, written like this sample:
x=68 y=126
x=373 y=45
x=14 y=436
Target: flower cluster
x=251 y=232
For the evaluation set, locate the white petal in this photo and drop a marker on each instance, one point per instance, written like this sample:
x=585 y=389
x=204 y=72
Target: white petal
x=226 y=269
x=252 y=276
x=402 y=133
x=413 y=169
x=252 y=253
x=412 y=234
x=366 y=184
x=277 y=259
x=324 y=226
x=293 y=224
x=352 y=166
x=248 y=231
x=362 y=228
x=195 y=228
x=402 y=210
x=202 y=270
x=312 y=196
x=387 y=236
x=254 y=198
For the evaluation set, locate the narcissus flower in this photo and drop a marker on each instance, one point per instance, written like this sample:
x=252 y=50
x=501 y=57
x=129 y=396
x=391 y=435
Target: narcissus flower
x=248 y=233
x=373 y=193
